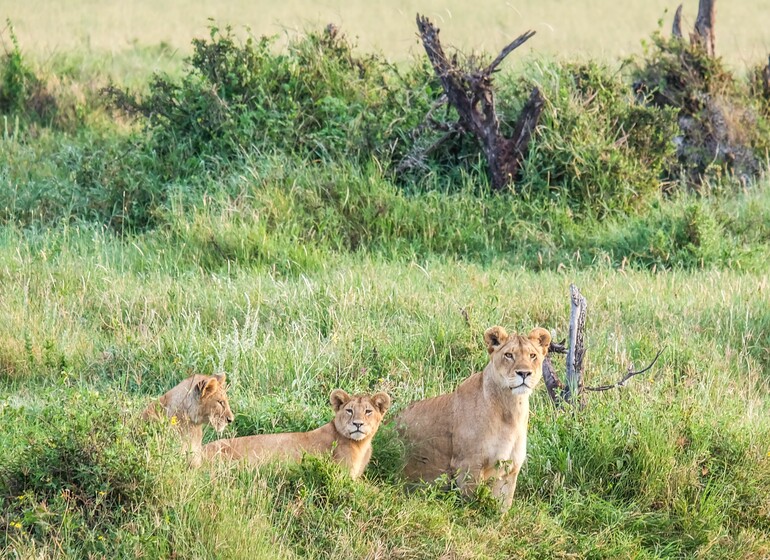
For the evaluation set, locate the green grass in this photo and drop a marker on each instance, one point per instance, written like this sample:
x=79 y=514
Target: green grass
x=297 y=261
x=676 y=465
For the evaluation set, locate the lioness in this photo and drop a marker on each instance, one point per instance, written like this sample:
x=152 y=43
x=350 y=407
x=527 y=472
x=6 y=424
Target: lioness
x=348 y=436
x=196 y=401
x=479 y=431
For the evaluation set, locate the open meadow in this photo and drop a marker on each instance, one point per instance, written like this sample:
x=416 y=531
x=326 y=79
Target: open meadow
x=249 y=211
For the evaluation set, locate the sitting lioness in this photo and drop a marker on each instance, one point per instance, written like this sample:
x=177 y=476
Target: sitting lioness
x=479 y=431
x=196 y=401
x=348 y=436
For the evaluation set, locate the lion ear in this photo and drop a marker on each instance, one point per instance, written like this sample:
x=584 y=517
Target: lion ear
x=381 y=401
x=338 y=398
x=221 y=377
x=207 y=387
x=540 y=338
x=495 y=337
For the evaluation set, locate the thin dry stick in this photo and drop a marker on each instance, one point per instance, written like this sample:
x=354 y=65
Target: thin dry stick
x=628 y=376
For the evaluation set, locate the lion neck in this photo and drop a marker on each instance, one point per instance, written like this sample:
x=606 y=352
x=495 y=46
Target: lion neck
x=513 y=409
x=189 y=421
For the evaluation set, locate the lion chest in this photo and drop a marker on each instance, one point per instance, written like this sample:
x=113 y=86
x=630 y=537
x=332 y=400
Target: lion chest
x=500 y=449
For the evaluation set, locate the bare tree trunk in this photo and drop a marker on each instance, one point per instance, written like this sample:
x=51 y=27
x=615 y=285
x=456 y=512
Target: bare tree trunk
x=705 y=35
x=470 y=93
x=576 y=351
x=573 y=392
x=676 y=29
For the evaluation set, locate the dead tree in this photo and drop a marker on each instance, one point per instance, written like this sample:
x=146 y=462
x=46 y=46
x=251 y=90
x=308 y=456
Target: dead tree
x=573 y=392
x=676 y=28
x=765 y=80
x=470 y=93
x=703 y=34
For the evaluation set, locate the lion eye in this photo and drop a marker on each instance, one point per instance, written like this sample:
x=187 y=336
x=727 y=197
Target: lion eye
x=368 y=412
x=349 y=411
x=508 y=355
x=533 y=356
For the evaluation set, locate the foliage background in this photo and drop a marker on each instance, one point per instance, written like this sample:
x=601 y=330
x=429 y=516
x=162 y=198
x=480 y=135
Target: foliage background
x=241 y=212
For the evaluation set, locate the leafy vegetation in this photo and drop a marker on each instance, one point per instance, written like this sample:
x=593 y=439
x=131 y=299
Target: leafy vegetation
x=248 y=217
x=722 y=126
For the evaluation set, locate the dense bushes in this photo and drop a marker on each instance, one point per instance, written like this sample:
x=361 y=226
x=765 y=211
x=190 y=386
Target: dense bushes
x=721 y=125
x=318 y=101
x=76 y=469
x=307 y=144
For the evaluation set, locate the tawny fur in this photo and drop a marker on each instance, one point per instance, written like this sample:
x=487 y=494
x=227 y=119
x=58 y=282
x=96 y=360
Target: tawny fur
x=195 y=402
x=479 y=431
x=348 y=437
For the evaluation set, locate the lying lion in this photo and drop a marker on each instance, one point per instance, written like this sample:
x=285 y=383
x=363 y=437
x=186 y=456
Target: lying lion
x=196 y=401
x=348 y=436
x=479 y=431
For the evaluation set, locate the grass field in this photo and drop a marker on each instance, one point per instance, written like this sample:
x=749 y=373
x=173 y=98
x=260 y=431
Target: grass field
x=274 y=241
x=676 y=465
x=603 y=29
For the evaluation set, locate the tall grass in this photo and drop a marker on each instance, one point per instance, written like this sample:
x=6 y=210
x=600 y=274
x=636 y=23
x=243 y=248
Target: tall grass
x=135 y=254
x=675 y=465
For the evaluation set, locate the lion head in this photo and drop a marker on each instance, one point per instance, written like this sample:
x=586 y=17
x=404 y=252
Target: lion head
x=358 y=417
x=213 y=405
x=517 y=360
x=198 y=400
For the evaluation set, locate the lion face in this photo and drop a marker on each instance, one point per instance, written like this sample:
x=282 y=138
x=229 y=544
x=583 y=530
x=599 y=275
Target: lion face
x=213 y=405
x=358 y=417
x=517 y=360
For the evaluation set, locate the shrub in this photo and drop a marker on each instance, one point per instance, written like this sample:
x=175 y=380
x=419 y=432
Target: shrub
x=597 y=150
x=22 y=93
x=75 y=471
x=318 y=101
x=720 y=127
x=36 y=101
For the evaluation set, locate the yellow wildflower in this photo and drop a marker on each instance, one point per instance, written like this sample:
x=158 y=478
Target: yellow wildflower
x=174 y=420
x=15 y=524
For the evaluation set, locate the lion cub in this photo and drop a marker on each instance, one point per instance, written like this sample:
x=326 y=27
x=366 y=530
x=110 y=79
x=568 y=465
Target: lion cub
x=479 y=431
x=348 y=436
x=196 y=401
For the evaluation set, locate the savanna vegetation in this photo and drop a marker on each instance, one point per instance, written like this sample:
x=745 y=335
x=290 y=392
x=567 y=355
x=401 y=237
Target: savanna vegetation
x=244 y=212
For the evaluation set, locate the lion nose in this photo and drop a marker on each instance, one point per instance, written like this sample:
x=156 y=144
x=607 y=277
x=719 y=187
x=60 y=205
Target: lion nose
x=230 y=419
x=524 y=373
x=358 y=424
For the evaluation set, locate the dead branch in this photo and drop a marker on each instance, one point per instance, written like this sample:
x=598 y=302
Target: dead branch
x=631 y=373
x=576 y=351
x=573 y=391
x=704 y=34
x=515 y=44
x=470 y=93
x=552 y=382
x=676 y=28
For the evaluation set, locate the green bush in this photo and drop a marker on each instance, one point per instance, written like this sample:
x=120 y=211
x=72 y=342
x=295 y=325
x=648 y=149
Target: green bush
x=32 y=100
x=722 y=128
x=75 y=471
x=318 y=101
x=597 y=150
